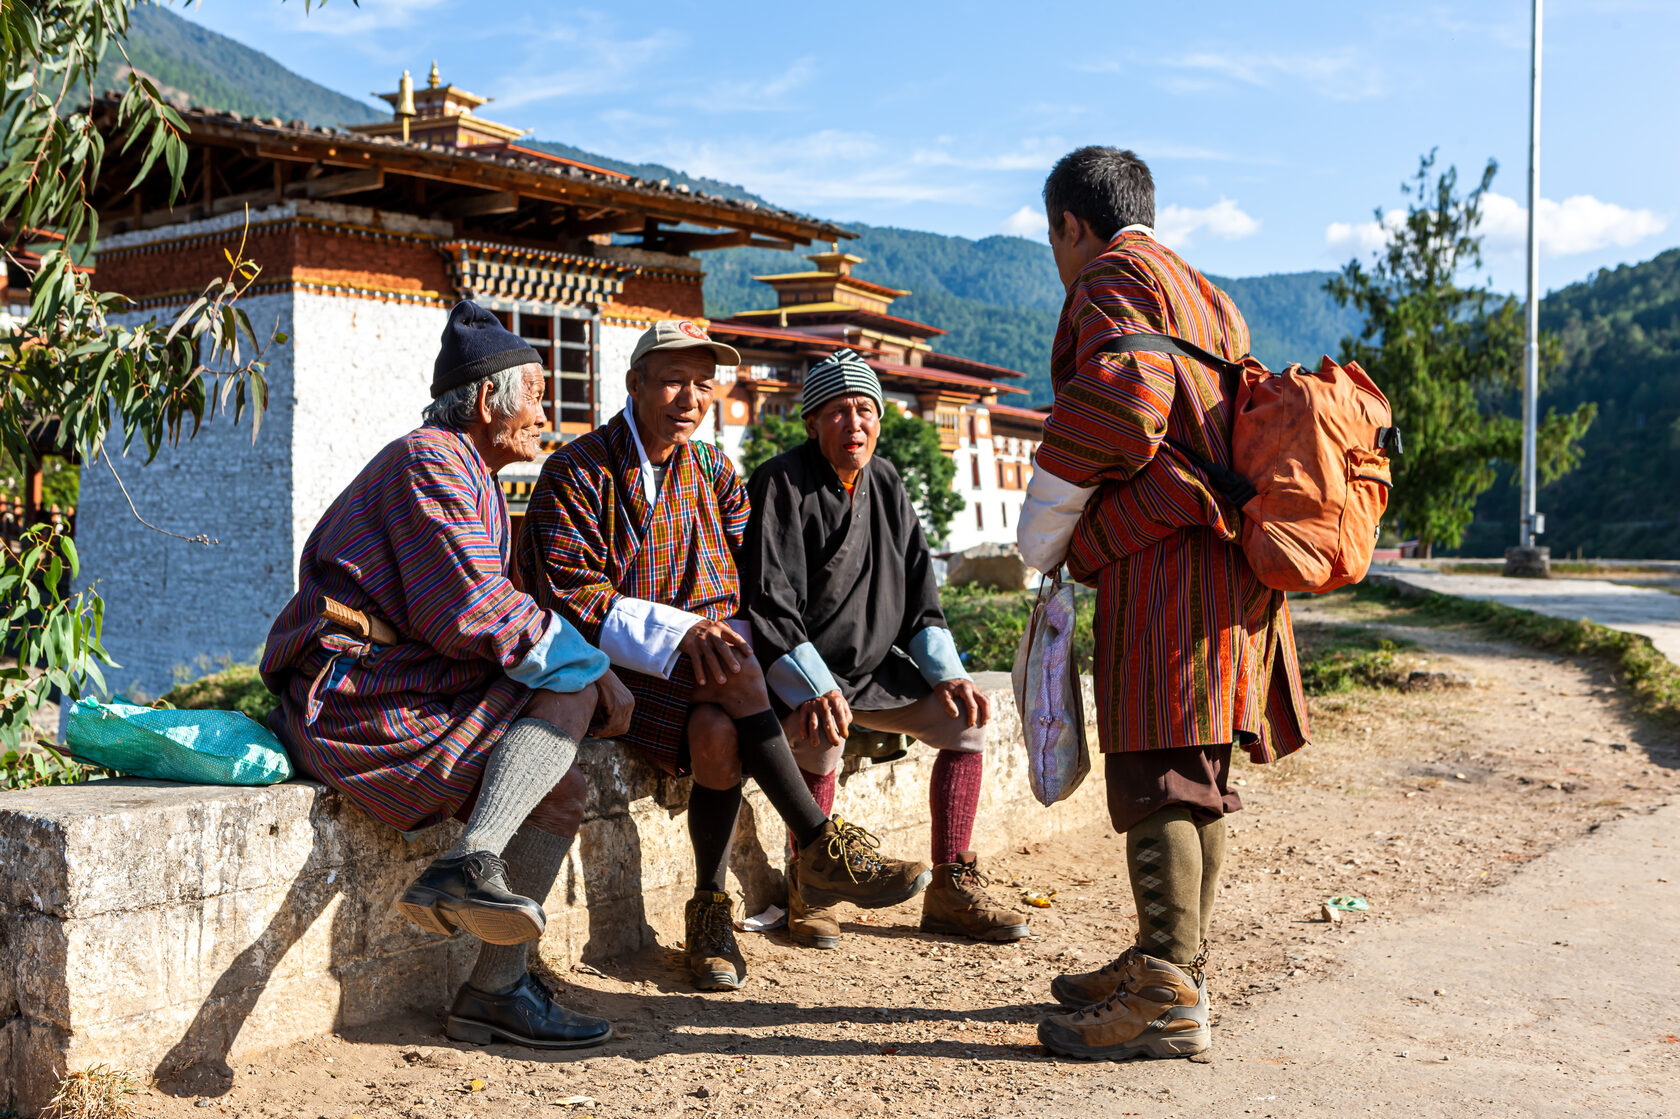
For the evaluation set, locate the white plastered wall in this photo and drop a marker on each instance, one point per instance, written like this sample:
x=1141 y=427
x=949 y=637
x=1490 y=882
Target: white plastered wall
x=363 y=376
x=172 y=605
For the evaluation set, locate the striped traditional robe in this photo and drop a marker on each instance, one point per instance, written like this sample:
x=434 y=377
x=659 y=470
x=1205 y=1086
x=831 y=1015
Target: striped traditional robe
x=1191 y=648
x=420 y=539
x=590 y=537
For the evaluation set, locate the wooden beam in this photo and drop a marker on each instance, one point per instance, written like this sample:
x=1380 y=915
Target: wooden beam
x=227 y=203
x=480 y=205
x=698 y=242
x=615 y=223
x=331 y=186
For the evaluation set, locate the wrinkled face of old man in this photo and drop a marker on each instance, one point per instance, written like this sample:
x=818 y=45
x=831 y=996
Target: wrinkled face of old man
x=672 y=392
x=516 y=435
x=846 y=430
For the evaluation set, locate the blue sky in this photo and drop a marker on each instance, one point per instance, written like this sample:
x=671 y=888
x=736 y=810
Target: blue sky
x=1272 y=130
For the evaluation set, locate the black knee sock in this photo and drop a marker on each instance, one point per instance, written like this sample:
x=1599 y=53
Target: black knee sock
x=765 y=755
x=711 y=828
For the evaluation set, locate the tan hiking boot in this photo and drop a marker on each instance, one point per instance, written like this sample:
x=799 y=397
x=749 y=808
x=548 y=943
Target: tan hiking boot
x=714 y=959
x=1159 y=1010
x=844 y=863
x=1082 y=988
x=957 y=904
x=810 y=926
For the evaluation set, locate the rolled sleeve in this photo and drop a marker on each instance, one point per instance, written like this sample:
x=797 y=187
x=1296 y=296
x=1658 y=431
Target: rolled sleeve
x=561 y=660
x=934 y=652
x=800 y=676
x=643 y=636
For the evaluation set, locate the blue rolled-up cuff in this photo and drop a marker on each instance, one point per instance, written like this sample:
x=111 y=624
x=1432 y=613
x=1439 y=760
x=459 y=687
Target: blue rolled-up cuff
x=561 y=660
x=934 y=652
x=800 y=676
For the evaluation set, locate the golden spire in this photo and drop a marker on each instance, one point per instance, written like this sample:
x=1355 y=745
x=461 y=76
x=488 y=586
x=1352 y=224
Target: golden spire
x=433 y=80
x=405 y=102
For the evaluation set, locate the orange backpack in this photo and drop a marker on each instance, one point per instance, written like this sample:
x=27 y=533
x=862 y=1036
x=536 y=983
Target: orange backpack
x=1309 y=464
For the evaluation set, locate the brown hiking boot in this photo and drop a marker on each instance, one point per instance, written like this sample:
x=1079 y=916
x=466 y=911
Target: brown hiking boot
x=1159 y=1010
x=844 y=863
x=1082 y=988
x=714 y=959
x=957 y=904
x=810 y=926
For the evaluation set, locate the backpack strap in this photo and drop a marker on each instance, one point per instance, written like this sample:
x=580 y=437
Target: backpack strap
x=1236 y=489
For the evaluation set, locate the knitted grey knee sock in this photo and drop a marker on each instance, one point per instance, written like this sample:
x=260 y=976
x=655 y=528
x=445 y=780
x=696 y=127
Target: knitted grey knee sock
x=531 y=758
x=534 y=858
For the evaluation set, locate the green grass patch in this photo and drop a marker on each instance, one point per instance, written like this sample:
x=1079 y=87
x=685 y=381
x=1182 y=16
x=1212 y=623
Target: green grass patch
x=236 y=688
x=1339 y=658
x=1648 y=677
x=988 y=625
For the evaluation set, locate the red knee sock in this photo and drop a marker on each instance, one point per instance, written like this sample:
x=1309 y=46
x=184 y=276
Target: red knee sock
x=822 y=791
x=954 y=796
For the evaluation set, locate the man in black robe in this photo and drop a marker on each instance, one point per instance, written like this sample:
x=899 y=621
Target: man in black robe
x=838 y=585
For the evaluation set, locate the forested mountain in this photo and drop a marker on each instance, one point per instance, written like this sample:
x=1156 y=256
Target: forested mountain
x=217 y=71
x=1620 y=332
x=999 y=297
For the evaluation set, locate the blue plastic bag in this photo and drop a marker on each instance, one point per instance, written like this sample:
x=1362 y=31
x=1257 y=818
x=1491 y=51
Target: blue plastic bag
x=201 y=747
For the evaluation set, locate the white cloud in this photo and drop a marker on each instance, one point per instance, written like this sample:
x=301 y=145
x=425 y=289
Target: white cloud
x=1578 y=224
x=1341 y=75
x=1178 y=225
x=1028 y=222
x=344 y=18
x=1365 y=237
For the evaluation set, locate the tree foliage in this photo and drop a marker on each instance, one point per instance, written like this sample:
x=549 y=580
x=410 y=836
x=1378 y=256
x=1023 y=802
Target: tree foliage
x=73 y=360
x=910 y=443
x=1447 y=353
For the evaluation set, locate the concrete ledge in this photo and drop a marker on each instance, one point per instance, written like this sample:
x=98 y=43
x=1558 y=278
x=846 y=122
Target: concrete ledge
x=154 y=926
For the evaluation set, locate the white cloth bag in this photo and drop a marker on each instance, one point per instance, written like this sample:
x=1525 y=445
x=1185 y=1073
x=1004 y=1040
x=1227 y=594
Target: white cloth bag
x=1048 y=696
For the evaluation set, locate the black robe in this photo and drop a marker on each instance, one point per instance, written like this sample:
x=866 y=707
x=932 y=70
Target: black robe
x=850 y=574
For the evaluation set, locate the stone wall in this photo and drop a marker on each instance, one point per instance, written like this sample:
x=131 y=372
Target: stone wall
x=155 y=926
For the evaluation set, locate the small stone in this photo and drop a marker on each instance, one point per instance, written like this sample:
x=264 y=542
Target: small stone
x=1440 y=990
x=202 y=1101
x=702 y=1092
x=1330 y=913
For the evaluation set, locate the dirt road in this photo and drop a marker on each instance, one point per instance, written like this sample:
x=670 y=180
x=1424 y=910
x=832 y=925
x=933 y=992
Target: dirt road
x=1484 y=821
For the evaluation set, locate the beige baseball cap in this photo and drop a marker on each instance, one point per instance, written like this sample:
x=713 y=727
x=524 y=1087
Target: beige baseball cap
x=681 y=334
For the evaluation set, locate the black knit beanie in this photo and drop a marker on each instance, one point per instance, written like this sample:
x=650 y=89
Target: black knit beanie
x=475 y=345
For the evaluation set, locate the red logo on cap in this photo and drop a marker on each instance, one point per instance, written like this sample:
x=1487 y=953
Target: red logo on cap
x=692 y=331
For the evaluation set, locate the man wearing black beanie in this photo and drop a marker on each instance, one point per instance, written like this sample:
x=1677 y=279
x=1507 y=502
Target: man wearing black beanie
x=632 y=533
x=475 y=709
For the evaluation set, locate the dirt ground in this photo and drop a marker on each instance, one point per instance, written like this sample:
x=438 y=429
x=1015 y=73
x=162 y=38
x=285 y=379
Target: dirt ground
x=1414 y=800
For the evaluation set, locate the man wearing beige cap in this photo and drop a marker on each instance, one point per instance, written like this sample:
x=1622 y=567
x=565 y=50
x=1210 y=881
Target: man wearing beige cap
x=632 y=535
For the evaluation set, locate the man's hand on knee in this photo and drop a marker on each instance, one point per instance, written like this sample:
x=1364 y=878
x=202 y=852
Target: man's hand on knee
x=614 y=705
x=962 y=700
x=717 y=651
x=826 y=716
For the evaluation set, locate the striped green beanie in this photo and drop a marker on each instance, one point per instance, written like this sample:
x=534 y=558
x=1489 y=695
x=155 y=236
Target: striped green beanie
x=838 y=374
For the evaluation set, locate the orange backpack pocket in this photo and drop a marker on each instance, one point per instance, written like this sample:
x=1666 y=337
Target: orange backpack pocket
x=1368 y=482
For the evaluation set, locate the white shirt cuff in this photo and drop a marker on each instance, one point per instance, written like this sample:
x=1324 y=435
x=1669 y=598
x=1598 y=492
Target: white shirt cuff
x=643 y=636
x=1049 y=515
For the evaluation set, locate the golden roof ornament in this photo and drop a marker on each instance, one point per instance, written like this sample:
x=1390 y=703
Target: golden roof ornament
x=432 y=80
x=405 y=102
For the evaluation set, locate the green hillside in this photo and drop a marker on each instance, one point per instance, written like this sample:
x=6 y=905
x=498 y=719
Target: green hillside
x=999 y=297
x=1621 y=347
x=218 y=72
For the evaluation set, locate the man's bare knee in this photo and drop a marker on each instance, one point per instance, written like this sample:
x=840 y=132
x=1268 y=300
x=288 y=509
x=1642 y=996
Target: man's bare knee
x=561 y=811
x=713 y=755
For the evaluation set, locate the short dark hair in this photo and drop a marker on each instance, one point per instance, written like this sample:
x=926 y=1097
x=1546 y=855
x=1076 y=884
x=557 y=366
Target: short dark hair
x=1106 y=188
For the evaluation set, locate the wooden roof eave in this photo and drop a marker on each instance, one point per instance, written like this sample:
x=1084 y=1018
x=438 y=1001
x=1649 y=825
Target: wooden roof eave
x=462 y=170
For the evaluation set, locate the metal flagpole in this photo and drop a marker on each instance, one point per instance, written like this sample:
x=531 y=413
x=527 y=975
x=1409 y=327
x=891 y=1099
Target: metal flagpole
x=1531 y=523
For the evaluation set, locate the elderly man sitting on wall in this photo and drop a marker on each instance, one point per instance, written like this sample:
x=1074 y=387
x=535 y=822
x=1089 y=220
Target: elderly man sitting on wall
x=840 y=591
x=476 y=709
x=632 y=532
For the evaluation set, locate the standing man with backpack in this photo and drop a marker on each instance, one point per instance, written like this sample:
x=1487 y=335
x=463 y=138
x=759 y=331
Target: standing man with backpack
x=1193 y=653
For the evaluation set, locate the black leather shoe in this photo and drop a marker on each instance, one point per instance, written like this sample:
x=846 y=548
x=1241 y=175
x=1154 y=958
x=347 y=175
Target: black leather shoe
x=526 y=1015
x=470 y=892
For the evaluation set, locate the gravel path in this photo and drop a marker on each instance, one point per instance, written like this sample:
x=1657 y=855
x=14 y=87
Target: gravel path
x=1644 y=610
